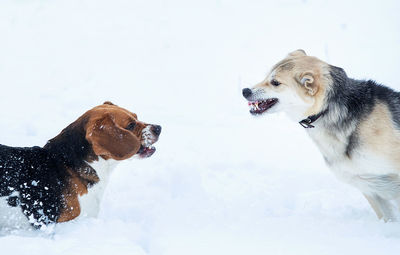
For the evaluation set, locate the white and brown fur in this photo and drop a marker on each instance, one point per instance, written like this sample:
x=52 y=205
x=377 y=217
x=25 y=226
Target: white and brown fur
x=67 y=177
x=356 y=123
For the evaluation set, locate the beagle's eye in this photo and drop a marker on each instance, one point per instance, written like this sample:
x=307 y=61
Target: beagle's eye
x=131 y=126
x=275 y=83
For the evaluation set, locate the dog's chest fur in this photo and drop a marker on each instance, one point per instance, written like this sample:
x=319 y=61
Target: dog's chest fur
x=363 y=168
x=90 y=202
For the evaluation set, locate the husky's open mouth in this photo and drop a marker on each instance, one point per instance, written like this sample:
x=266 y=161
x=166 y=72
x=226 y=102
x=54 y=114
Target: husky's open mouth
x=145 y=152
x=260 y=106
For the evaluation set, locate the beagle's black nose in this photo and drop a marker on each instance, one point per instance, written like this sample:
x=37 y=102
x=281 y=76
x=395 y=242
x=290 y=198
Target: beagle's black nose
x=246 y=92
x=156 y=129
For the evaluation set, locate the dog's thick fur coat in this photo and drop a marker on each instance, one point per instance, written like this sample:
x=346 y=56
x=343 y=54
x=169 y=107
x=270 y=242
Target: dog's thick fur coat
x=355 y=123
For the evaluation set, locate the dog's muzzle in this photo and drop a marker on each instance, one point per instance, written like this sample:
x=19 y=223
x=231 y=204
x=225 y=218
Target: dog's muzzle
x=150 y=135
x=258 y=106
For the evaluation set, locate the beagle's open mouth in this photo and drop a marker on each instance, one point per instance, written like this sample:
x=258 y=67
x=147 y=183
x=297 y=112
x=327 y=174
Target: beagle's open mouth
x=260 y=106
x=145 y=152
x=150 y=135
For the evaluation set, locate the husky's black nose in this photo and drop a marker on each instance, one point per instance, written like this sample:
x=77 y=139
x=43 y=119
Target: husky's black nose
x=156 y=129
x=246 y=92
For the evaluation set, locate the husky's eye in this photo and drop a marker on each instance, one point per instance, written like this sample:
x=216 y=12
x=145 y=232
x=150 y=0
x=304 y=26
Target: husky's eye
x=131 y=126
x=275 y=83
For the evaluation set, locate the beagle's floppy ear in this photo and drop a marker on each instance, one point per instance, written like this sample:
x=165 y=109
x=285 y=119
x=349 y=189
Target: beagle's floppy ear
x=297 y=53
x=110 y=140
x=307 y=80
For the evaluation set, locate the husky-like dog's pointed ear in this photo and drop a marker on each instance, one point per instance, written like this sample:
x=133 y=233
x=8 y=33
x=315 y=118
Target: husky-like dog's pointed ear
x=307 y=80
x=297 y=53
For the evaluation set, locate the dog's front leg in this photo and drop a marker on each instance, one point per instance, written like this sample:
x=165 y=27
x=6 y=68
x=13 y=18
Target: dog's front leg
x=374 y=206
x=398 y=203
x=383 y=208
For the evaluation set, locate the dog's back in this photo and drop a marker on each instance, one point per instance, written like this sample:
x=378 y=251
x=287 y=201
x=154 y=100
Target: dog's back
x=31 y=180
x=14 y=164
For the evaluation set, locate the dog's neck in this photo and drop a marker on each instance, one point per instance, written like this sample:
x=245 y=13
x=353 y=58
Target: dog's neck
x=307 y=123
x=90 y=202
x=88 y=174
x=70 y=148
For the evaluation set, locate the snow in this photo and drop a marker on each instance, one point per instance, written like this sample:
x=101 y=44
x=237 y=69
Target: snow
x=221 y=181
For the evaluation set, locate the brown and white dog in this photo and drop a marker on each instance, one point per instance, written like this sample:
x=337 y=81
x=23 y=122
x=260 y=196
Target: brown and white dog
x=67 y=177
x=354 y=123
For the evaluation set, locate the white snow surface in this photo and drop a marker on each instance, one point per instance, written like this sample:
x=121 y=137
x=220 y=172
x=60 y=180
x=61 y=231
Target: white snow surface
x=221 y=181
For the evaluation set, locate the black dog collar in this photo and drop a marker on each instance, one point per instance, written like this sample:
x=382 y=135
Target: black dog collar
x=306 y=123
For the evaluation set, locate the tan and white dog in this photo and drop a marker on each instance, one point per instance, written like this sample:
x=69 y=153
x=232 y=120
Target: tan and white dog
x=354 y=123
